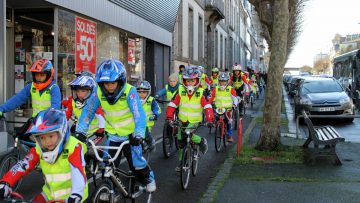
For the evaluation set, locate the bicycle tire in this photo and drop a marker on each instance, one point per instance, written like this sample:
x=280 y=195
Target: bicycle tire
x=185 y=168
x=167 y=140
x=174 y=137
x=236 y=116
x=217 y=137
x=224 y=140
x=6 y=163
x=102 y=193
x=195 y=160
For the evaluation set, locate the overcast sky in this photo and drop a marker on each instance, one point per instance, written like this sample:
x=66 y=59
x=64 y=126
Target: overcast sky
x=322 y=20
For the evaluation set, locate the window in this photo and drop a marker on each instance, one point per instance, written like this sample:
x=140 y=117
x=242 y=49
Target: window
x=191 y=33
x=200 y=39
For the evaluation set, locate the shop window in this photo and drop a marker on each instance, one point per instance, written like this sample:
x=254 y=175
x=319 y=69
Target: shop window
x=66 y=53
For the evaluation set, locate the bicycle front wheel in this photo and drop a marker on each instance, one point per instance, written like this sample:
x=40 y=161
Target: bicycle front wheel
x=185 y=168
x=195 y=160
x=218 y=133
x=103 y=193
x=167 y=140
x=6 y=163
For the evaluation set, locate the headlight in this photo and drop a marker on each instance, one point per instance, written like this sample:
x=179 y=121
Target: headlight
x=220 y=110
x=305 y=101
x=345 y=100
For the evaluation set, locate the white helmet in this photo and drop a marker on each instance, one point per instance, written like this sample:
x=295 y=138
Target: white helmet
x=237 y=67
x=224 y=77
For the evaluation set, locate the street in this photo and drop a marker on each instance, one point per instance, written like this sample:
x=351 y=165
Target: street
x=168 y=181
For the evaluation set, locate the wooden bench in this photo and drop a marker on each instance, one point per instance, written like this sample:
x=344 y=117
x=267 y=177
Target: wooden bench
x=325 y=136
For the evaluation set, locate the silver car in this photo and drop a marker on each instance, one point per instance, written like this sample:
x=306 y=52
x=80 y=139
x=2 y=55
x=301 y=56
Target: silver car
x=323 y=96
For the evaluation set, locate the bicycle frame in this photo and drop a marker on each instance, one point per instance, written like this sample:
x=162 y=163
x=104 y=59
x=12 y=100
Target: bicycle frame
x=111 y=173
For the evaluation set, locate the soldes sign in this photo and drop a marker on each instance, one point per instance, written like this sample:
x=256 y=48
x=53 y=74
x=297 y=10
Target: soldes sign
x=85 y=36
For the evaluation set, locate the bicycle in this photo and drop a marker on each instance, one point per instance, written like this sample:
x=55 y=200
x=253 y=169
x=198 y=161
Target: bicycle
x=22 y=145
x=190 y=155
x=18 y=198
x=111 y=182
x=169 y=134
x=220 y=128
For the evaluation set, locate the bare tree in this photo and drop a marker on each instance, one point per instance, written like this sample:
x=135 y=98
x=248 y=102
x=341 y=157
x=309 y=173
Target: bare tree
x=306 y=68
x=281 y=20
x=322 y=65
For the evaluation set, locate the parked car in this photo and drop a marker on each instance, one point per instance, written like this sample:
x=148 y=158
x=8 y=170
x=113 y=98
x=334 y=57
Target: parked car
x=323 y=96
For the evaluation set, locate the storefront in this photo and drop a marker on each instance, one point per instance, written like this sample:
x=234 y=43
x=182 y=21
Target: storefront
x=76 y=41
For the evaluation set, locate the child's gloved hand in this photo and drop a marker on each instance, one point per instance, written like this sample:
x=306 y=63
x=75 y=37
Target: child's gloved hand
x=100 y=132
x=5 y=190
x=153 y=118
x=74 y=198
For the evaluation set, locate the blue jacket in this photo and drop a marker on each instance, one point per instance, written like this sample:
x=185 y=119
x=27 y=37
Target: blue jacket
x=24 y=94
x=135 y=107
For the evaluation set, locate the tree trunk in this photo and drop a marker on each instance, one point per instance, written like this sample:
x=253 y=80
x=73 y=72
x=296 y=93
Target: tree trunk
x=270 y=132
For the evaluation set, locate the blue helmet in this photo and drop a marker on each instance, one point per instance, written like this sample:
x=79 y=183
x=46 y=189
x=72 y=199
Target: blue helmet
x=50 y=121
x=84 y=82
x=144 y=86
x=111 y=70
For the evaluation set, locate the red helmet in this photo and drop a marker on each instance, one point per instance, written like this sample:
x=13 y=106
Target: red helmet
x=42 y=66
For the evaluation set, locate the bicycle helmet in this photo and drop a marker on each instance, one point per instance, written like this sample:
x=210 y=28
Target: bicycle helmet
x=201 y=69
x=237 y=67
x=84 y=82
x=84 y=72
x=47 y=121
x=111 y=70
x=224 y=77
x=42 y=66
x=144 y=86
x=191 y=72
x=214 y=70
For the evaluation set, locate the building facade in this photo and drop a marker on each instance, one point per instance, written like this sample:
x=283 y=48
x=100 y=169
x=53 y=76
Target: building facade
x=79 y=35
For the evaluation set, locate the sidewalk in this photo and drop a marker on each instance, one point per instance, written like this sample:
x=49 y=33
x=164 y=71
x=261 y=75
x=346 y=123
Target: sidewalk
x=269 y=182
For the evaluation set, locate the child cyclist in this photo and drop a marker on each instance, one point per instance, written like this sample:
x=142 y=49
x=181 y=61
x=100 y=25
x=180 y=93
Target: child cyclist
x=125 y=117
x=239 y=80
x=81 y=88
x=191 y=102
x=170 y=89
x=43 y=91
x=224 y=96
x=214 y=77
x=60 y=157
x=151 y=108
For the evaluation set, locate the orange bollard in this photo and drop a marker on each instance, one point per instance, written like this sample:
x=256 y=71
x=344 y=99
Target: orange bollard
x=239 y=141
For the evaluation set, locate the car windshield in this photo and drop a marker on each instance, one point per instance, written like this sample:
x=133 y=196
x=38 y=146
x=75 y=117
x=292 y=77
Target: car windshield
x=321 y=86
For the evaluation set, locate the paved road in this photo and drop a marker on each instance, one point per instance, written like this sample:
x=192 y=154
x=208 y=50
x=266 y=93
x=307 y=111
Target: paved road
x=168 y=181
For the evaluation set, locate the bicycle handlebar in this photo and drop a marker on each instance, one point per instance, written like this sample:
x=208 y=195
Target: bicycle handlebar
x=18 y=196
x=119 y=148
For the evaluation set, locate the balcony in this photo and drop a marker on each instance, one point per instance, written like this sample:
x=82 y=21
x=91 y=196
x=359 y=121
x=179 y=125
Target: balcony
x=214 y=12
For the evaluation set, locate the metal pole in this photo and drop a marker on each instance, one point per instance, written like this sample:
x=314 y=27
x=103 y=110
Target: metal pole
x=3 y=48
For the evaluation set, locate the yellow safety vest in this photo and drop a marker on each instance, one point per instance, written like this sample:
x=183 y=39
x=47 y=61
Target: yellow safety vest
x=40 y=102
x=215 y=80
x=58 y=181
x=94 y=125
x=238 y=82
x=190 y=109
x=203 y=82
x=169 y=94
x=223 y=97
x=119 y=119
x=148 y=111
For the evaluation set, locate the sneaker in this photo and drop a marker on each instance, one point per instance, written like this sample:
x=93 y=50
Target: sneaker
x=203 y=146
x=177 y=169
x=151 y=187
x=151 y=143
x=230 y=139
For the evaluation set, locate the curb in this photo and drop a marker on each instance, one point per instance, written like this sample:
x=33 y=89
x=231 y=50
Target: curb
x=222 y=175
